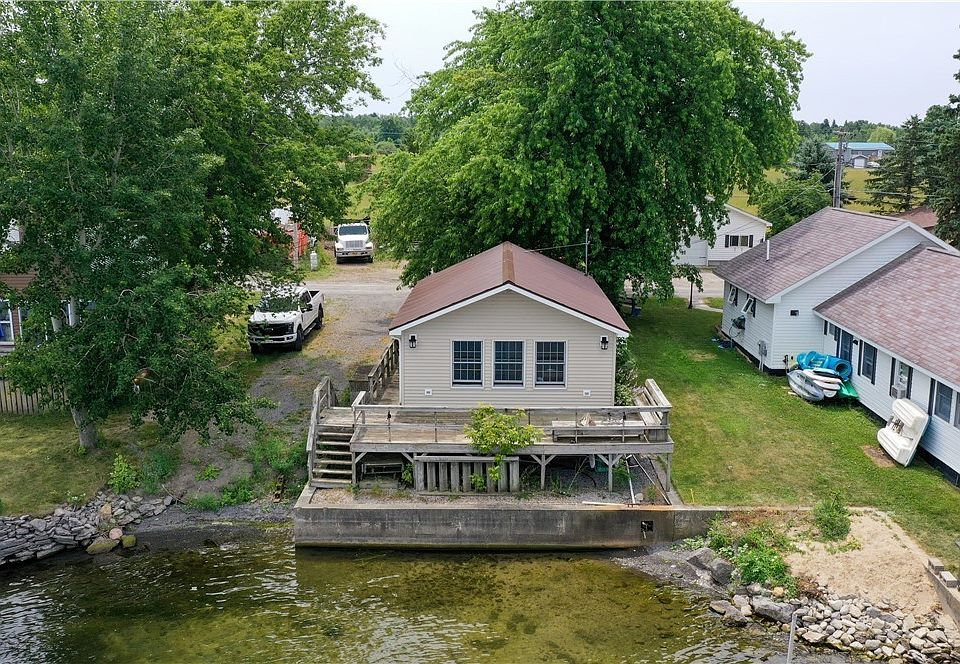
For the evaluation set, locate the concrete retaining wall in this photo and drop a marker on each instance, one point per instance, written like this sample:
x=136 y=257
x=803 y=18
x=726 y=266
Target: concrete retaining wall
x=473 y=526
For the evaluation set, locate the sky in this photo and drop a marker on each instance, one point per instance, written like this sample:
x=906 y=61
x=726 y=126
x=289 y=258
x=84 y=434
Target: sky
x=878 y=61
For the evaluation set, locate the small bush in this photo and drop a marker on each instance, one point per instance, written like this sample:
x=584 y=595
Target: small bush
x=479 y=482
x=406 y=474
x=160 y=465
x=123 y=476
x=238 y=491
x=209 y=473
x=1 y=507
x=764 y=565
x=717 y=536
x=832 y=518
x=206 y=502
x=282 y=456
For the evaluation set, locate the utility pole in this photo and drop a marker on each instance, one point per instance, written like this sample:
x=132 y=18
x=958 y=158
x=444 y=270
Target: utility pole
x=838 y=168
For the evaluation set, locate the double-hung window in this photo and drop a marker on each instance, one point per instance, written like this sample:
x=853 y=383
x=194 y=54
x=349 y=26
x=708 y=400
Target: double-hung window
x=738 y=241
x=6 y=322
x=551 y=363
x=750 y=306
x=508 y=363
x=868 y=361
x=942 y=401
x=468 y=363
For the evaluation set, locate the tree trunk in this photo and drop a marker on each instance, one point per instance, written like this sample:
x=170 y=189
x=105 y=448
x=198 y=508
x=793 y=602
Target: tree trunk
x=85 y=427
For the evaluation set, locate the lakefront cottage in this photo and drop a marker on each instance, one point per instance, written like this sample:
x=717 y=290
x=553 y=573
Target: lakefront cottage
x=511 y=328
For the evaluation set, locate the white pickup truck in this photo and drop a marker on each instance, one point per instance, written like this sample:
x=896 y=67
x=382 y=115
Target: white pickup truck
x=352 y=241
x=284 y=316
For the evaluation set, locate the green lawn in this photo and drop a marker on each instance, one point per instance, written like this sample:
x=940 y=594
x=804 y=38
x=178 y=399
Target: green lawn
x=40 y=466
x=743 y=439
x=856 y=179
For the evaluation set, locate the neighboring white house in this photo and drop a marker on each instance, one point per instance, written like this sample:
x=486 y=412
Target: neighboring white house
x=510 y=328
x=900 y=329
x=741 y=232
x=771 y=290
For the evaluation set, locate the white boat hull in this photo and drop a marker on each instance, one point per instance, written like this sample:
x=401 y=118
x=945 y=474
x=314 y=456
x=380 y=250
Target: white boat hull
x=804 y=386
x=901 y=436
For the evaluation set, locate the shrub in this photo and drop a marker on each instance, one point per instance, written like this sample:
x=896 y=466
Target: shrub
x=832 y=518
x=123 y=476
x=406 y=474
x=160 y=465
x=1 y=507
x=206 y=502
x=717 y=536
x=628 y=375
x=499 y=434
x=209 y=473
x=761 y=563
x=280 y=455
x=479 y=482
x=239 y=490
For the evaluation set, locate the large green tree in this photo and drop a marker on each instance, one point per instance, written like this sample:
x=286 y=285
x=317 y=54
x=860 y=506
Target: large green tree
x=813 y=158
x=785 y=202
x=898 y=184
x=142 y=146
x=558 y=118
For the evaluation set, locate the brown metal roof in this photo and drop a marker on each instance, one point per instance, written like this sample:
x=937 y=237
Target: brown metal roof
x=17 y=281
x=908 y=307
x=509 y=264
x=805 y=248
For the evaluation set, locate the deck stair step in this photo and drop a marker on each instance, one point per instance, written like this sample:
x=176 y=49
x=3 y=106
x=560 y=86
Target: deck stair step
x=329 y=483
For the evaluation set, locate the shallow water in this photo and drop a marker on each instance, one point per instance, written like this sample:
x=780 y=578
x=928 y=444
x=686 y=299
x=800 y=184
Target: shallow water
x=265 y=601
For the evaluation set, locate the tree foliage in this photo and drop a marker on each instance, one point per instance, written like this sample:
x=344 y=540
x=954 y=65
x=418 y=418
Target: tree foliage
x=787 y=201
x=621 y=119
x=897 y=185
x=142 y=146
x=814 y=159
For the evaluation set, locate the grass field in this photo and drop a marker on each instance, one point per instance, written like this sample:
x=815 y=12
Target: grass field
x=743 y=438
x=40 y=465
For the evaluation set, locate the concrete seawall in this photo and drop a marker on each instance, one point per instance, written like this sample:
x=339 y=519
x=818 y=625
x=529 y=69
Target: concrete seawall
x=495 y=526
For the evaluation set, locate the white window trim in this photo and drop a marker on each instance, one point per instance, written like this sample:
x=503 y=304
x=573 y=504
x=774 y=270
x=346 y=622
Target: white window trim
x=13 y=335
x=566 y=365
x=936 y=394
x=746 y=306
x=732 y=295
x=467 y=386
x=523 y=366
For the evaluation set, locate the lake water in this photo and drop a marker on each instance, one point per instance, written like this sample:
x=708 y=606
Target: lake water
x=264 y=601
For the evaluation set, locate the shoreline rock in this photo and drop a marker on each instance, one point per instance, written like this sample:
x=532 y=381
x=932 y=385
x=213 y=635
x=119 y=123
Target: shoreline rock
x=26 y=538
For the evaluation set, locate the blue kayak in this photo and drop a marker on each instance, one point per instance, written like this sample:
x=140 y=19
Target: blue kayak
x=814 y=360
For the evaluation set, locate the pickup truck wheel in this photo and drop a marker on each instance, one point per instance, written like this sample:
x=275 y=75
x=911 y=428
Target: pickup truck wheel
x=339 y=260
x=298 y=344
x=255 y=349
x=369 y=259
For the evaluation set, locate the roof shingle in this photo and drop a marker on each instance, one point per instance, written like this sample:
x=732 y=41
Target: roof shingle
x=805 y=248
x=910 y=308
x=509 y=264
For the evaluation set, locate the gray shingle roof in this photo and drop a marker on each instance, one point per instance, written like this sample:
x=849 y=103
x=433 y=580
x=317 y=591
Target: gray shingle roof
x=803 y=249
x=908 y=307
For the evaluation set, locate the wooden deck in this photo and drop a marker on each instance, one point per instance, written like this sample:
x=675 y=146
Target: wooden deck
x=436 y=435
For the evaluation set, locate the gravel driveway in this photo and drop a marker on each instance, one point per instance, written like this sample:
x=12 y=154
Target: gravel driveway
x=359 y=302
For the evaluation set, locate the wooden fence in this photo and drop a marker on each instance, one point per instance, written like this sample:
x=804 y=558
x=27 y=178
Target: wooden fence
x=17 y=402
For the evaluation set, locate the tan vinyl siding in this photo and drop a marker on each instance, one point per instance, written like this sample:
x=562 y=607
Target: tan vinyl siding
x=507 y=316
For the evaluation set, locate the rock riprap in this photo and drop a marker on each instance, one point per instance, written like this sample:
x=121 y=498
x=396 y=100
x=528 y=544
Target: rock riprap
x=97 y=527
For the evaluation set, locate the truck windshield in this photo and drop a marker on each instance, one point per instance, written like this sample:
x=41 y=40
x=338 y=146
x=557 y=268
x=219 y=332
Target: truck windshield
x=352 y=230
x=279 y=303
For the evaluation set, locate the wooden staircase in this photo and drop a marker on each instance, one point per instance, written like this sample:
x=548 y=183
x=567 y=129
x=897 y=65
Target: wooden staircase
x=333 y=461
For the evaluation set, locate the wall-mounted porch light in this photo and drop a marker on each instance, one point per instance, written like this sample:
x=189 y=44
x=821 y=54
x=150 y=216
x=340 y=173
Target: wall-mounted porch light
x=413 y=341
x=604 y=342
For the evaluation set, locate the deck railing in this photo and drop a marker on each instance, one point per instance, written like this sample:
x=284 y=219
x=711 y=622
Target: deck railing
x=648 y=420
x=378 y=380
x=323 y=397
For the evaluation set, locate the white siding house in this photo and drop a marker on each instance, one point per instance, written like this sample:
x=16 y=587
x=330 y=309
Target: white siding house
x=798 y=269
x=741 y=232
x=903 y=340
x=510 y=328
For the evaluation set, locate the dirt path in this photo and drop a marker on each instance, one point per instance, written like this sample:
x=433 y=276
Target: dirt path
x=360 y=301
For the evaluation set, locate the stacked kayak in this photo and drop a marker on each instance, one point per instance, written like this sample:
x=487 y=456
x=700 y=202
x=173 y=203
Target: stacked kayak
x=816 y=377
